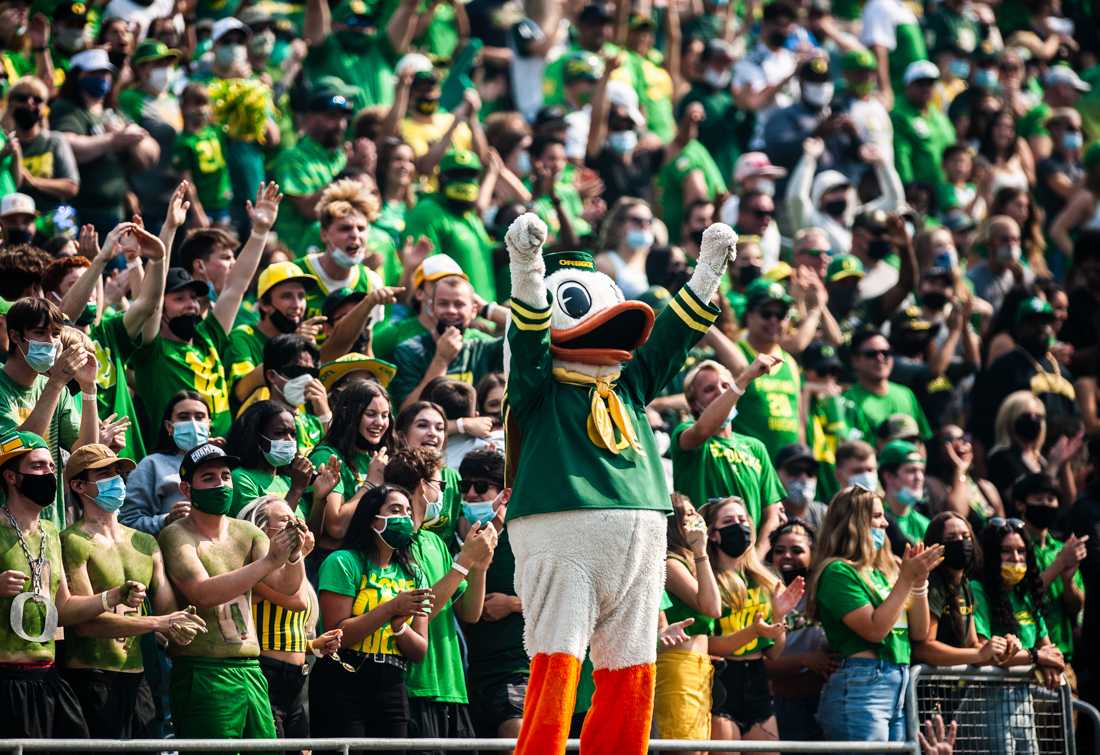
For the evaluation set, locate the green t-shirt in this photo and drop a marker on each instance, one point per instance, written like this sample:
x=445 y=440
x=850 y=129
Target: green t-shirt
x=758 y=600
x=725 y=128
x=308 y=429
x=17 y=403
x=444 y=527
x=670 y=183
x=162 y=368
x=723 y=466
x=353 y=472
x=841 y=589
x=475 y=360
x=387 y=335
x=463 y=237
x=678 y=610
x=439 y=676
x=243 y=353
x=34 y=613
x=202 y=154
x=113 y=347
x=1030 y=625
x=769 y=410
x=877 y=409
x=362 y=62
x=919 y=141
x=351 y=574
x=946 y=30
x=250 y=484
x=301 y=171
x=830 y=422
x=912 y=524
x=1059 y=623
x=654 y=87
x=1034 y=122
x=559 y=467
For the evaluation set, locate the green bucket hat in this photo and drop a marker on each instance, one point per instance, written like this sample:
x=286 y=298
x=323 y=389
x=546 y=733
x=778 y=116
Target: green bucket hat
x=844 y=266
x=153 y=49
x=460 y=159
x=569 y=261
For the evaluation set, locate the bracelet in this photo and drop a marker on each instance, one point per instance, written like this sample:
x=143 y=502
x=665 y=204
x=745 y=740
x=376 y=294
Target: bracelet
x=295 y=560
x=460 y=569
x=704 y=557
x=89 y=396
x=404 y=628
x=459 y=424
x=919 y=592
x=103 y=600
x=325 y=419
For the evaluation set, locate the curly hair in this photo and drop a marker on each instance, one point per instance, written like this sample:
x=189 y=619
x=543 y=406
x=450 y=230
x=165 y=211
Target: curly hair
x=58 y=269
x=21 y=268
x=941 y=578
x=343 y=198
x=1029 y=590
x=411 y=466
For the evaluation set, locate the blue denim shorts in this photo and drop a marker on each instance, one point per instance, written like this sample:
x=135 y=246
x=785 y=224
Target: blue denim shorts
x=864 y=701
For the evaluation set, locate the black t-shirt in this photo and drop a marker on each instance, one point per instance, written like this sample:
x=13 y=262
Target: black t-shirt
x=935 y=395
x=1003 y=468
x=1081 y=326
x=1051 y=202
x=622 y=180
x=946 y=630
x=1015 y=371
x=1084 y=519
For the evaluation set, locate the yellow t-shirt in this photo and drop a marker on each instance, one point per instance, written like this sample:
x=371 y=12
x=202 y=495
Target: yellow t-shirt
x=420 y=136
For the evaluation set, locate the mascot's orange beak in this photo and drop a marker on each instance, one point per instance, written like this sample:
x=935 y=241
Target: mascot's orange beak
x=605 y=338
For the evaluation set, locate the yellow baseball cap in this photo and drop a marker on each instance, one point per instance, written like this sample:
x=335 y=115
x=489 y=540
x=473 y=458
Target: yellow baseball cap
x=435 y=267
x=281 y=272
x=332 y=372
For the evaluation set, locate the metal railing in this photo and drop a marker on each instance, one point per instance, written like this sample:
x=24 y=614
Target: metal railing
x=997 y=710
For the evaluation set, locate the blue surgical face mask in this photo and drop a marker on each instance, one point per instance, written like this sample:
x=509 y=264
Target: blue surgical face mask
x=110 y=493
x=986 y=78
x=95 y=87
x=959 y=68
x=433 y=509
x=477 y=513
x=344 y=260
x=523 y=163
x=730 y=417
x=865 y=480
x=801 y=492
x=878 y=538
x=908 y=496
x=639 y=238
x=1072 y=140
x=41 y=355
x=622 y=141
x=281 y=452
x=189 y=433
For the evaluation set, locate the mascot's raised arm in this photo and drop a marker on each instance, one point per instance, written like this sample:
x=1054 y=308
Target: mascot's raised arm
x=589 y=501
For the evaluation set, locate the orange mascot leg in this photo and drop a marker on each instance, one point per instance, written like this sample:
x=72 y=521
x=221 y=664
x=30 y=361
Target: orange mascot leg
x=548 y=708
x=622 y=711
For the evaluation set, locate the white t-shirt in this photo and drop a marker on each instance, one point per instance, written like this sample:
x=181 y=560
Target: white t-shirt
x=576 y=134
x=873 y=125
x=142 y=15
x=881 y=18
x=763 y=68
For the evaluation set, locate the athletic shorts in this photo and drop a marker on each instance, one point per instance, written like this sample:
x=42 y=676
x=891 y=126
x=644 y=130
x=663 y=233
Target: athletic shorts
x=431 y=719
x=220 y=698
x=117 y=705
x=36 y=703
x=741 y=693
x=682 y=700
x=493 y=703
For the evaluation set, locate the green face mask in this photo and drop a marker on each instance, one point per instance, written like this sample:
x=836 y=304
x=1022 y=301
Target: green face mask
x=397 y=532
x=214 y=501
x=462 y=191
x=87 y=317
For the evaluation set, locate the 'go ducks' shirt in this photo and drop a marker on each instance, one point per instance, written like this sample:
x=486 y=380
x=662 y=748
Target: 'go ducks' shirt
x=769 y=409
x=831 y=421
x=559 y=466
x=724 y=466
x=758 y=600
x=841 y=589
x=202 y=154
x=463 y=236
x=1031 y=627
x=439 y=676
x=474 y=361
x=351 y=574
x=113 y=346
x=162 y=368
x=34 y=613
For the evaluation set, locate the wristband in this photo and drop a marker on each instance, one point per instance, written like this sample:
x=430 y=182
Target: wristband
x=325 y=419
x=404 y=628
x=460 y=569
x=104 y=601
x=89 y=396
x=460 y=425
x=295 y=560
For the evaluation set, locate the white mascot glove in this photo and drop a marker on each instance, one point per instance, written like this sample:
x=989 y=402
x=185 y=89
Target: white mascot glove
x=718 y=249
x=524 y=241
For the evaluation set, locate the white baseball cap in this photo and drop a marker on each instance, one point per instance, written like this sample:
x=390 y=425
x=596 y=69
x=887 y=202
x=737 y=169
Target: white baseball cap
x=1065 y=75
x=225 y=25
x=414 y=62
x=621 y=94
x=17 y=204
x=92 y=60
x=920 y=70
x=435 y=267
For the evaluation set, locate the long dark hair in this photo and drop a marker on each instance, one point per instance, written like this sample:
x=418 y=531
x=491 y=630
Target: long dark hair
x=361 y=536
x=1030 y=589
x=408 y=414
x=386 y=149
x=939 y=465
x=244 y=436
x=987 y=148
x=343 y=435
x=677 y=536
x=942 y=579
x=165 y=444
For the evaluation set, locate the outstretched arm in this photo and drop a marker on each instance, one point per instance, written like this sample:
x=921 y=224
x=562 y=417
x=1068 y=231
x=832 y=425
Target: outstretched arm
x=524 y=241
x=719 y=248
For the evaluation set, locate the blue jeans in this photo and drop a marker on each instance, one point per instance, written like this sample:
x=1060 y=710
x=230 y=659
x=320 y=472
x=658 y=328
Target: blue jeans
x=864 y=701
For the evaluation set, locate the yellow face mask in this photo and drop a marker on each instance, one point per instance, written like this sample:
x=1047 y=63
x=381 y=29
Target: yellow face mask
x=1012 y=574
x=461 y=191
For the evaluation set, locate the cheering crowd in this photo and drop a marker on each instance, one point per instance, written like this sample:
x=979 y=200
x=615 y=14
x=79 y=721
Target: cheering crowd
x=254 y=299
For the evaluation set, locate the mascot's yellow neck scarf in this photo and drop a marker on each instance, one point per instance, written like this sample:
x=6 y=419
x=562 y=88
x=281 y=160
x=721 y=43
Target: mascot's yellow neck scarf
x=607 y=412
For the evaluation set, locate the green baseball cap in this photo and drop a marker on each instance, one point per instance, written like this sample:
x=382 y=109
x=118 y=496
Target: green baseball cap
x=18 y=443
x=1033 y=307
x=460 y=159
x=858 y=60
x=761 y=291
x=581 y=66
x=353 y=12
x=898 y=452
x=153 y=49
x=844 y=266
x=556 y=261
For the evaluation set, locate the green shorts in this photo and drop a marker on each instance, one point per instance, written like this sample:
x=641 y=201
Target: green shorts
x=220 y=698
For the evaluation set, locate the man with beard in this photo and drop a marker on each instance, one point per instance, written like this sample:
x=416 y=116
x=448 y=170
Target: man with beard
x=186 y=354
x=1028 y=367
x=314 y=162
x=281 y=302
x=446 y=350
x=451 y=222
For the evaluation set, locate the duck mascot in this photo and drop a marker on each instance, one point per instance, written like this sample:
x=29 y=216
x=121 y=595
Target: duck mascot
x=587 y=516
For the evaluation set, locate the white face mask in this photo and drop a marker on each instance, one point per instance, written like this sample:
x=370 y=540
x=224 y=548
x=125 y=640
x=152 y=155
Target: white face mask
x=434 y=508
x=230 y=55
x=717 y=79
x=345 y=260
x=263 y=43
x=294 y=390
x=160 y=78
x=523 y=163
x=817 y=94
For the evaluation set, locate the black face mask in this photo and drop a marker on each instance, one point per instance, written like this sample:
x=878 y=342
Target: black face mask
x=1041 y=517
x=1036 y=344
x=697 y=237
x=26 y=117
x=118 y=59
x=790 y=575
x=15 y=236
x=748 y=274
x=1028 y=427
x=879 y=249
x=735 y=539
x=442 y=325
x=835 y=208
x=282 y=323
x=183 y=326
x=934 y=300
x=39 y=488
x=957 y=554
x=842 y=299
x=777 y=39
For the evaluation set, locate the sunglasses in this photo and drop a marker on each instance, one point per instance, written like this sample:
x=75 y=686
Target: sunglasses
x=999 y=522
x=481 y=487
x=772 y=314
x=815 y=252
x=876 y=353
x=965 y=438
x=31 y=98
x=297 y=370
x=761 y=213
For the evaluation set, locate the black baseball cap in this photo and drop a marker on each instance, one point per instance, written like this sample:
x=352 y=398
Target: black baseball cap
x=207 y=453
x=595 y=13
x=821 y=357
x=179 y=279
x=550 y=116
x=1034 y=483
x=338 y=298
x=795 y=452
x=874 y=221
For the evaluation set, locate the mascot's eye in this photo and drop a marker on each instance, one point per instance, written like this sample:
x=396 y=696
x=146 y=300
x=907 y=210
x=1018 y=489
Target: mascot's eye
x=574 y=300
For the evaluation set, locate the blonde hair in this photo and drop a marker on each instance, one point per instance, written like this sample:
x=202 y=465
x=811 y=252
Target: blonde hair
x=845 y=535
x=1017 y=404
x=33 y=84
x=731 y=584
x=343 y=198
x=693 y=373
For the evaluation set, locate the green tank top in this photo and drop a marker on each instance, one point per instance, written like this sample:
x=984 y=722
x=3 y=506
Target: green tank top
x=679 y=610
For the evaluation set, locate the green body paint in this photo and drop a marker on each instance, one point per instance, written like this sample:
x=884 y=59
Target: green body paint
x=231 y=631
x=108 y=565
x=13 y=649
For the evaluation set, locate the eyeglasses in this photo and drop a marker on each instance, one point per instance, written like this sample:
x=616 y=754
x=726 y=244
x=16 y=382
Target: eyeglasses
x=481 y=487
x=815 y=252
x=31 y=98
x=999 y=522
x=772 y=314
x=876 y=353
